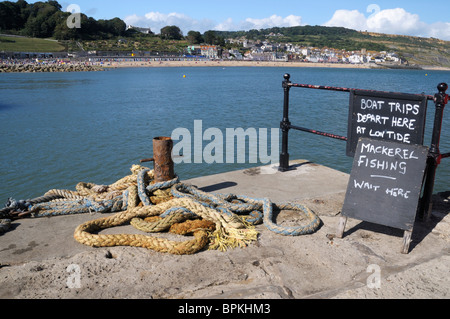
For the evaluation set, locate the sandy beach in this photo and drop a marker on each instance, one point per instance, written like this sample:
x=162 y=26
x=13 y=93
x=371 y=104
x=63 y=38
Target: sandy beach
x=31 y=66
x=224 y=64
x=127 y=64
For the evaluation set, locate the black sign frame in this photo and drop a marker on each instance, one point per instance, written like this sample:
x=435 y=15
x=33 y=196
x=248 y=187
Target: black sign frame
x=376 y=118
x=385 y=185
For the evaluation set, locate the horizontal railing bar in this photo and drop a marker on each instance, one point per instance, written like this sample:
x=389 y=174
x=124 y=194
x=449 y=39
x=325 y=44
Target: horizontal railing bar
x=338 y=137
x=342 y=89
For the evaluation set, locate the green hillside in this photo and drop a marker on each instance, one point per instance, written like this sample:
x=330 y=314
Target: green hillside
x=9 y=43
x=422 y=51
x=416 y=50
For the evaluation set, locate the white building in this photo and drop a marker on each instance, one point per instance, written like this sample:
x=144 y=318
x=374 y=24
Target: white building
x=210 y=51
x=306 y=51
x=142 y=30
x=355 y=59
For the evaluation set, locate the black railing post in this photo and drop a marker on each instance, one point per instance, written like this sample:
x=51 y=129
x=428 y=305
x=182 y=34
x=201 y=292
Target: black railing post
x=285 y=126
x=440 y=99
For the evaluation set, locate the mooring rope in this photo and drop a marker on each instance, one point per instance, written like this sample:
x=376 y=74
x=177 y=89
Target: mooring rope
x=231 y=203
x=220 y=220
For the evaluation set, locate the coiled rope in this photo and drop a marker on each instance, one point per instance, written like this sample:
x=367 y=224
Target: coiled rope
x=221 y=221
x=239 y=204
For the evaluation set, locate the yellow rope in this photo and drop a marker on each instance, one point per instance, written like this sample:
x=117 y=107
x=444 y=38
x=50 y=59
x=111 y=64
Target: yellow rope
x=229 y=231
x=216 y=224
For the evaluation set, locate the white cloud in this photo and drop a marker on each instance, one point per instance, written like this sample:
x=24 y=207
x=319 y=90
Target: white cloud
x=274 y=21
x=391 y=21
x=227 y=25
x=440 y=30
x=156 y=21
x=396 y=21
x=349 y=19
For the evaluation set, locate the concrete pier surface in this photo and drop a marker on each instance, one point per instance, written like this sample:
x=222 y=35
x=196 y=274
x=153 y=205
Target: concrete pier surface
x=39 y=258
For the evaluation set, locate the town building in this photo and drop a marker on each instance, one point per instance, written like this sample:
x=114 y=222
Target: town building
x=141 y=30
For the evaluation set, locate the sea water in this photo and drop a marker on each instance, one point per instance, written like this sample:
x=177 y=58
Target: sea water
x=58 y=129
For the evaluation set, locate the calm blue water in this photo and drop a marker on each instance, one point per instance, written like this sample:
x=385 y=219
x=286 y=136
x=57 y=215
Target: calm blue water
x=58 y=129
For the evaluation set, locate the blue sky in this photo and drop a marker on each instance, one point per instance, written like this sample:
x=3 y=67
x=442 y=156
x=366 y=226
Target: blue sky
x=410 y=17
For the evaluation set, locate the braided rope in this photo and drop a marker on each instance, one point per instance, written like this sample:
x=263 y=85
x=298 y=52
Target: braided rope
x=309 y=228
x=83 y=236
x=64 y=193
x=141 y=187
x=25 y=205
x=160 y=225
x=84 y=233
x=253 y=206
x=222 y=220
x=89 y=197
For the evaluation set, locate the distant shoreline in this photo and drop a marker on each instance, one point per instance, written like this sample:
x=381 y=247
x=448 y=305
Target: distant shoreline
x=128 y=64
x=76 y=66
x=135 y=64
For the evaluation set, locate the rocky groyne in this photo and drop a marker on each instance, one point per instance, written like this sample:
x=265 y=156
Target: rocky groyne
x=34 y=68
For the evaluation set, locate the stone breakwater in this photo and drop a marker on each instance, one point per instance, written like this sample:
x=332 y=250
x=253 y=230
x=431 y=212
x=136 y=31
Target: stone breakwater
x=34 y=68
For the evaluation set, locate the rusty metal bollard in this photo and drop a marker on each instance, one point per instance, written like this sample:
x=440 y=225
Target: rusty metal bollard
x=162 y=159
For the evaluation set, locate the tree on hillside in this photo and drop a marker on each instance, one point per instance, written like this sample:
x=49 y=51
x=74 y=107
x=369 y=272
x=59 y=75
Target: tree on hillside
x=194 y=37
x=62 y=32
x=253 y=34
x=12 y=15
x=42 y=19
x=46 y=19
x=212 y=38
x=113 y=27
x=171 y=32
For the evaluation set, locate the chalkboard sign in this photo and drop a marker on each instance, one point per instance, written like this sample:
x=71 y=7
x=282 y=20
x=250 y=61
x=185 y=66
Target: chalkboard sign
x=385 y=183
x=388 y=116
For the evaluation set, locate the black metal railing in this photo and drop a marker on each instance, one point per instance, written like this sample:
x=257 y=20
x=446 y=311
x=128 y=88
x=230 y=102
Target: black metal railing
x=434 y=157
